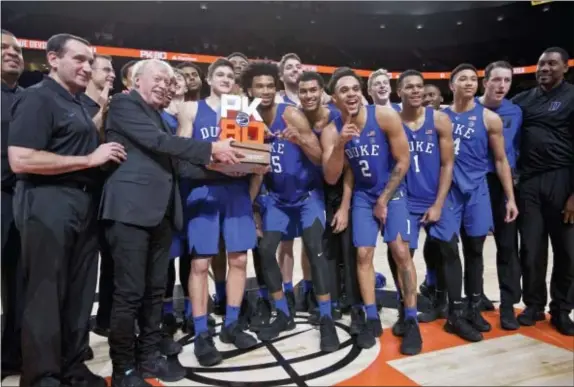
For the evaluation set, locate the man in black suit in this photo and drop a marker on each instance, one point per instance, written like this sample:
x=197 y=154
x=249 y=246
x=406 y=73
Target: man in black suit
x=140 y=207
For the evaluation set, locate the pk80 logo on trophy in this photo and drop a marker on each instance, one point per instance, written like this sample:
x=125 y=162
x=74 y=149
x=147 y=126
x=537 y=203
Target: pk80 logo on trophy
x=241 y=122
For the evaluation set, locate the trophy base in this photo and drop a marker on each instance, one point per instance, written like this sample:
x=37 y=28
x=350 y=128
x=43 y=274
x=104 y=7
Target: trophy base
x=256 y=157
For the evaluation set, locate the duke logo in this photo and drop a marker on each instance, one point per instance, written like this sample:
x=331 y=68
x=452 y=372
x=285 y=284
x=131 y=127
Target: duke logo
x=241 y=121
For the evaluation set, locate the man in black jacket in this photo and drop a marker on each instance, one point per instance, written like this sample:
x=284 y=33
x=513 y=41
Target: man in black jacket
x=140 y=207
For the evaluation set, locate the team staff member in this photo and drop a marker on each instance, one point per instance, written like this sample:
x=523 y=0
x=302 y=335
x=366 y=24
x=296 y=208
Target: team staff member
x=546 y=192
x=95 y=101
x=12 y=67
x=496 y=82
x=126 y=74
x=56 y=156
x=140 y=207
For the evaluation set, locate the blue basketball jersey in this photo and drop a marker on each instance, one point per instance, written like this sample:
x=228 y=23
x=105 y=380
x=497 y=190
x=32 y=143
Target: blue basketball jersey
x=511 y=116
x=292 y=174
x=471 y=148
x=288 y=100
x=396 y=107
x=170 y=120
x=368 y=155
x=423 y=175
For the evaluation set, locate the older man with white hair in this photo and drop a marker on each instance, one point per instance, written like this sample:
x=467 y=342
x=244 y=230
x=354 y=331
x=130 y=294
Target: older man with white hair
x=139 y=209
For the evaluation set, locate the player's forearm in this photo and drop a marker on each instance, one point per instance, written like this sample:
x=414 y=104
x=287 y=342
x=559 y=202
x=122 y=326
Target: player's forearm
x=46 y=163
x=397 y=175
x=312 y=150
x=333 y=165
x=505 y=176
x=444 y=183
x=255 y=186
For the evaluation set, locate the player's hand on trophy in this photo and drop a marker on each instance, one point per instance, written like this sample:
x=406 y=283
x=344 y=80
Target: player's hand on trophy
x=223 y=152
x=261 y=170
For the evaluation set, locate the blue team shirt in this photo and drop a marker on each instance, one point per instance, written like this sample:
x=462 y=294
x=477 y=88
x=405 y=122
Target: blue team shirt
x=511 y=116
x=471 y=148
x=423 y=175
x=369 y=156
x=292 y=174
x=170 y=120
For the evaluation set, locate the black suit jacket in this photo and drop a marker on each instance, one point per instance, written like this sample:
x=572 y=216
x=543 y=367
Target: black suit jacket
x=139 y=190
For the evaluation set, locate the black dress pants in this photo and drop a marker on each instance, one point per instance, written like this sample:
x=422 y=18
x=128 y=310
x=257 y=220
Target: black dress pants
x=541 y=200
x=12 y=291
x=141 y=257
x=59 y=259
x=506 y=239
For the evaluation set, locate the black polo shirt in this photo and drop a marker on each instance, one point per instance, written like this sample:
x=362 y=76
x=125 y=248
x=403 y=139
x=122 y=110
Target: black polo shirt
x=47 y=117
x=8 y=96
x=91 y=106
x=547 y=133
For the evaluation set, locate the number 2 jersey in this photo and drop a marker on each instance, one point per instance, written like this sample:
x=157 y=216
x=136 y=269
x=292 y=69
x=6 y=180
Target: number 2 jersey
x=369 y=157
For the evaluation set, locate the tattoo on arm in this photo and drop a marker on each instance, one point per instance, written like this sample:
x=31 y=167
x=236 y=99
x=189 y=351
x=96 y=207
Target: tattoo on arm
x=396 y=177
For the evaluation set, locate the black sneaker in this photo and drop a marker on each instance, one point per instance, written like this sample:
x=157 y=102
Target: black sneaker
x=475 y=318
x=370 y=332
x=169 y=324
x=457 y=324
x=329 y=339
x=233 y=334
x=261 y=315
x=486 y=304
x=130 y=378
x=168 y=346
x=81 y=376
x=357 y=321
x=219 y=306
x=508 y=320
x=427 y=291
x=562 y=322
x=530 y=316
x=399 y=325
x=412 y=343
x=205 y=352
x=281 y=323
x=163 y=368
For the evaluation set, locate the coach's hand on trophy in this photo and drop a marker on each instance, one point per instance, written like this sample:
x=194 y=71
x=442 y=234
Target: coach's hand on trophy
x=111 y=151
x=223 y=152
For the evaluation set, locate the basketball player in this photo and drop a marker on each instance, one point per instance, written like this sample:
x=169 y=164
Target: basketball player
x=290 y=70
x=240 y=62
x=372 y=141
x=476 y=131
x=379 y=88
x=497 y=82
x=217 y=208
x=428 y=183
x=295 y=154
x=432 y=96
x=337 y=242
x=193 y=80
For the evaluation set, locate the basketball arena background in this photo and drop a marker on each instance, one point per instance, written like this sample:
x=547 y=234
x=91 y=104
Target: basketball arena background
x=429 y=36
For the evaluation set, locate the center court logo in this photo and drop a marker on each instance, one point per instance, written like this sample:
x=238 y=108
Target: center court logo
x=292 y=358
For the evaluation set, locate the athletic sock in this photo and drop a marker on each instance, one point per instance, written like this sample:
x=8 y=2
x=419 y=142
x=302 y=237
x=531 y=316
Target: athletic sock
x=231 y=314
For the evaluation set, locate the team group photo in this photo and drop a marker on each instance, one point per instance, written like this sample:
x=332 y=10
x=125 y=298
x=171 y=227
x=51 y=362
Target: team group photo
x=235 y=219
